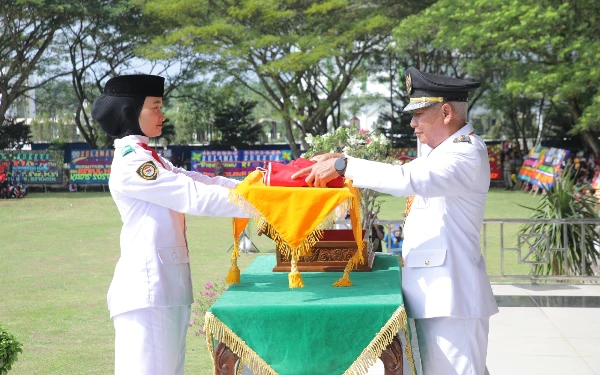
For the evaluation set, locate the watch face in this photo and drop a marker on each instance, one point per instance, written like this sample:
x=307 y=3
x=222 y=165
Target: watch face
x=340 y=164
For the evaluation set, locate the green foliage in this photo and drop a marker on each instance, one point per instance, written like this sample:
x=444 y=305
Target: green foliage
x=236 y=124
x=541 y=52
x=13 y=132
x=350 y=141
x=565 y=201
x=27 y=30
x=299 y=56
x=10 y=348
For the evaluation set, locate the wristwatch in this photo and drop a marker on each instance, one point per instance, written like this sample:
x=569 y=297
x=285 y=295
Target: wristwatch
x=340 y=165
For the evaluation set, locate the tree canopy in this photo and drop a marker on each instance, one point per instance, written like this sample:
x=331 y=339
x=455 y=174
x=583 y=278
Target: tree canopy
x=304 y=54
x=544 y=52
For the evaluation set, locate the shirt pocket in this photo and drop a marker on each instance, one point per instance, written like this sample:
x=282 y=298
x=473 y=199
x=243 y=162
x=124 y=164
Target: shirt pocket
x=173 y=255
x=424 y=258
x=420 y=203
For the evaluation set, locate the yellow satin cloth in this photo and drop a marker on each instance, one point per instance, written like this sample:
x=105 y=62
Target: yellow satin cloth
x=296 y=217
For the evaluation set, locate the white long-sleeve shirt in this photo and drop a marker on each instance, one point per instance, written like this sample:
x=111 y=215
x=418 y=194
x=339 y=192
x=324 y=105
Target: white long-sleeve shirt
x=444 y=273
x=152 y=196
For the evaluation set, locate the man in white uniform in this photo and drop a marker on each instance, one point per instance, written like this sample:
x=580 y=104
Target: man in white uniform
x=151 y=292
x=444 y=279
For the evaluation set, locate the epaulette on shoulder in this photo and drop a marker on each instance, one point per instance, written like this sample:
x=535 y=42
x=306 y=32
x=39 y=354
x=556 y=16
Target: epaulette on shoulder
x=462 y=138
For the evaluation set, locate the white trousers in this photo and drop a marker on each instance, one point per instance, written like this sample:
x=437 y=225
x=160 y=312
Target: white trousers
x=151 y=341
x=453 y=346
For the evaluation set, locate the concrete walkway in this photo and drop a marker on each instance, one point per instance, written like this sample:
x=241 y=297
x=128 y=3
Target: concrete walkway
x=546 y=329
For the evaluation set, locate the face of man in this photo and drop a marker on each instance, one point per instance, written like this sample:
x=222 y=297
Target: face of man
x=151 y=117
x=427 y=123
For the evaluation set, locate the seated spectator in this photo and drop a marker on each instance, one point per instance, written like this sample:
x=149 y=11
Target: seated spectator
x=394 y=241
x=377 y=234
x=219 y=169
x=18 y=192
x=5 y=189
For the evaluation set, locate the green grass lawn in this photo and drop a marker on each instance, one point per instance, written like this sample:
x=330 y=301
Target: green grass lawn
x=58 y=253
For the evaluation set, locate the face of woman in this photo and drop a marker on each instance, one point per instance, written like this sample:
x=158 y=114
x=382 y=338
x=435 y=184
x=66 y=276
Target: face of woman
x=151 y=118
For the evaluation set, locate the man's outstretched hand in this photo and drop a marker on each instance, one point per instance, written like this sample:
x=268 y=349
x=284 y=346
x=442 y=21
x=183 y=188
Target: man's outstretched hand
x=319 y=174
x=323 y=157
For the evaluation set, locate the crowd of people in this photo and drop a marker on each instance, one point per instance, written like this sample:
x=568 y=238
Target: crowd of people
x=10 y=188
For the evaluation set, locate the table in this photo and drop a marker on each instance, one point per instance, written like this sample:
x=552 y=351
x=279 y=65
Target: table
x=318 y=329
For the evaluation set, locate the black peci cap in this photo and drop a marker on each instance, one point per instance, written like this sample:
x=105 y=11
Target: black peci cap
x=426 y=89
x=135 y=85
x=118 y=109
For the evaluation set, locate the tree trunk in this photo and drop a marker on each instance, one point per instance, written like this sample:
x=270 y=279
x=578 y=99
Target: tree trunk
x=290 y=137
x=591 y=141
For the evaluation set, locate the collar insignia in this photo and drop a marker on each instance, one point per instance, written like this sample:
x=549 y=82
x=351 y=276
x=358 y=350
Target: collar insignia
x=126 y=150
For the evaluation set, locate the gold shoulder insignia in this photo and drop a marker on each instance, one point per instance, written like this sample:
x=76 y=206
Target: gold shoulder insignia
x=462 y=138
x=148 y=171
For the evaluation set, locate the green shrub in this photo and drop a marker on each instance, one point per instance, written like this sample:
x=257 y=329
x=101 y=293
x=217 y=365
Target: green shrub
x=9 y=350
x=565 y=200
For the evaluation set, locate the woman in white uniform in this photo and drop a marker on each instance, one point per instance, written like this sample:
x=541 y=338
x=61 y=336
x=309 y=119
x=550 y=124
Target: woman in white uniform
x=151 y=292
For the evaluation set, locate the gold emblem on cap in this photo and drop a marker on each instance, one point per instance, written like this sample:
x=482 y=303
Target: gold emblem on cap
x=408 y=83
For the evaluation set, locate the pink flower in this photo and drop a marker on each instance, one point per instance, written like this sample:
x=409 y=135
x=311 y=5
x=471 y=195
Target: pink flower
x=196 y=313
x=208 y=285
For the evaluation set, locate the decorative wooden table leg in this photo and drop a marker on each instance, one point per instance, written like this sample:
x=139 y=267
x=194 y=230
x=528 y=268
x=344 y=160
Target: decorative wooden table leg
x=225 y=360
x=392 y=358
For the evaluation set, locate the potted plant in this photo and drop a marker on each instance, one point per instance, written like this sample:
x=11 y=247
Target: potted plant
x=565 y=200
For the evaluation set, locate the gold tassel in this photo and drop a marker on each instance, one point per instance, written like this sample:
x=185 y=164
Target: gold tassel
x=233 y=276
x=238 y=225
x=357 y=258
x=344 y=280
x=294 y=277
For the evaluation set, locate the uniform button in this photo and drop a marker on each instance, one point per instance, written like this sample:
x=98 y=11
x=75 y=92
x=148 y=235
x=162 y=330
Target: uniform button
x=426 y=262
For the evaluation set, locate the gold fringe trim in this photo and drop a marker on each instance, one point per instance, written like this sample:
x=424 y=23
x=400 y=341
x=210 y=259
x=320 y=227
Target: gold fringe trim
x=382 y=339
x=239 y=200
x=216 y=329
x=357 y=257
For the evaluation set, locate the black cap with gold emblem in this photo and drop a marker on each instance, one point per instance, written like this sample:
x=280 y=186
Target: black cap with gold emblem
x=426 y=89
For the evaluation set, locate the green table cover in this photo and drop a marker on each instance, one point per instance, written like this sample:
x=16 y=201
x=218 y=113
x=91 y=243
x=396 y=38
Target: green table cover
x=318 y=329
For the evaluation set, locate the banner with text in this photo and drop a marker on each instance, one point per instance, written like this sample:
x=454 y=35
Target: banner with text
x=93 y=166
x=41 y=167
x=542 y=165
x=237 y=164
x=90 y=166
